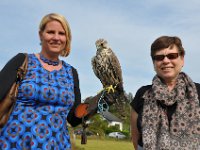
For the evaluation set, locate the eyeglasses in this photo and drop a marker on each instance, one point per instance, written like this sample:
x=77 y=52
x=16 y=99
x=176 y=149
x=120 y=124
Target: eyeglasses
x=169 y=56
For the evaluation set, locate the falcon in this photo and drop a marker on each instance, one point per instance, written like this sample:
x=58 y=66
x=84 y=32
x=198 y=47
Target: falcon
x=106 y=67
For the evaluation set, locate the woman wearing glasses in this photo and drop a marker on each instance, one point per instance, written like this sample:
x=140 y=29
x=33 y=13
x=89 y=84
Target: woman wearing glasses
x=166 y=114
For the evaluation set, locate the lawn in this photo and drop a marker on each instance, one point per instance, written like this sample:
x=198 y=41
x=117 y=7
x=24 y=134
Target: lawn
x=104 y=144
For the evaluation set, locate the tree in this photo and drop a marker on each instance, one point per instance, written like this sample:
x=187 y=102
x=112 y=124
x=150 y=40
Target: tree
x=98 y=125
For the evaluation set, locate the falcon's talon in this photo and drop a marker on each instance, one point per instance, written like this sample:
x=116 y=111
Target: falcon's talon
x=110 y=88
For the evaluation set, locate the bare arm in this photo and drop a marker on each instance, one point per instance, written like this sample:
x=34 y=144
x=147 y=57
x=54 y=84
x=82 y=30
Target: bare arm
x=134 y=130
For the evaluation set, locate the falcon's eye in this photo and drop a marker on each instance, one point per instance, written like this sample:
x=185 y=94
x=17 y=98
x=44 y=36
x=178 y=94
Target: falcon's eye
x=101 y=44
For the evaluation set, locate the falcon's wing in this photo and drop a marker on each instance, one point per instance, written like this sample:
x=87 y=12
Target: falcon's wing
x=114 y=68
x=101 y=67
x=95 y=67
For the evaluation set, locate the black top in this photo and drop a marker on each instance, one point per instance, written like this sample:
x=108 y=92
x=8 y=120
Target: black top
x=138 y=102
x=8 y=77
x=9 y=72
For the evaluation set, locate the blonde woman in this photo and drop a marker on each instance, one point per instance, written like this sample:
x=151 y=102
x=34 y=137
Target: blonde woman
x=48 y=95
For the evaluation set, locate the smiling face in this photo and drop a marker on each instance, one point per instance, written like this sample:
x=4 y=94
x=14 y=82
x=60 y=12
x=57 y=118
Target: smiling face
x=168 y=69
x=53 y=38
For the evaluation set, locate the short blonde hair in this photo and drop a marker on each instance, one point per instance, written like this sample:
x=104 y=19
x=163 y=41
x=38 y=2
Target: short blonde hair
x=64 y=23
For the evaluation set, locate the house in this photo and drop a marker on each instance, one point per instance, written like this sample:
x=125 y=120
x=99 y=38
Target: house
x=113 y=120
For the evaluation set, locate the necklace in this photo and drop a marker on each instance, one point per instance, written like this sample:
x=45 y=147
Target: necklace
x=49 y=62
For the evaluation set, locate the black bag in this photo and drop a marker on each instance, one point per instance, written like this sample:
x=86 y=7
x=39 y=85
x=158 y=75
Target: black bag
x=8 y=102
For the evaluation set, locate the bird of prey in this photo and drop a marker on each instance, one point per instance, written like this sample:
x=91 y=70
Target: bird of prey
x=106 y=67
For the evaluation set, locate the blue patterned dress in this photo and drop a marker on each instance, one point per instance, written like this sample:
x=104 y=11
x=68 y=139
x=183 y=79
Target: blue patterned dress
x=38 y=121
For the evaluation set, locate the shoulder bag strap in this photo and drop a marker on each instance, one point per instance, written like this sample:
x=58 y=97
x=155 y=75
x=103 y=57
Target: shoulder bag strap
x=21 y=72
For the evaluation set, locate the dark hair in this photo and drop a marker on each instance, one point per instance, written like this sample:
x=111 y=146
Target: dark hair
x=165 y=42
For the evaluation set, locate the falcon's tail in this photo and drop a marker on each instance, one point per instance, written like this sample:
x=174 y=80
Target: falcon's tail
x=120 y=104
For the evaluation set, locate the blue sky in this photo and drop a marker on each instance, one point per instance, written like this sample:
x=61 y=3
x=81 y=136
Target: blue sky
x=129 y=26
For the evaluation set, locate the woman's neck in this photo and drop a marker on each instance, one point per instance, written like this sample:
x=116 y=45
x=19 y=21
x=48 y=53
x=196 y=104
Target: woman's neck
x=171 y=84
x=50 y=56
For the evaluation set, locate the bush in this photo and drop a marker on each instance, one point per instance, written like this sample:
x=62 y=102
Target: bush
x=127 y=133
x=112 y=129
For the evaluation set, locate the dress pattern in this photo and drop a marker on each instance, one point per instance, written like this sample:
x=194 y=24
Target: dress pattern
x=38 y=121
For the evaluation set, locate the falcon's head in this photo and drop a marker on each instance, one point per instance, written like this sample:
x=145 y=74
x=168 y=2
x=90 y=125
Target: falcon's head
x=101 y=44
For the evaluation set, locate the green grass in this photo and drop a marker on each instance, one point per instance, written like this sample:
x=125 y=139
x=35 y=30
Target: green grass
x=104 y=144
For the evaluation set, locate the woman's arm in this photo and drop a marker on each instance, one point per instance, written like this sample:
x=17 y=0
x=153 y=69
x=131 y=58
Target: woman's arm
x=134 y=130
x=71 y=118
x=8 y=74
x=137 y=107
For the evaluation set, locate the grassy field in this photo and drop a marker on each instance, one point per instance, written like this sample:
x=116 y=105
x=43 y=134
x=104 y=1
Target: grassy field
x=103 y=144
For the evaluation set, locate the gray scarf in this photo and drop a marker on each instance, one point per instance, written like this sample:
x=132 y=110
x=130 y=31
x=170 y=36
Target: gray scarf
x=183 y=133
